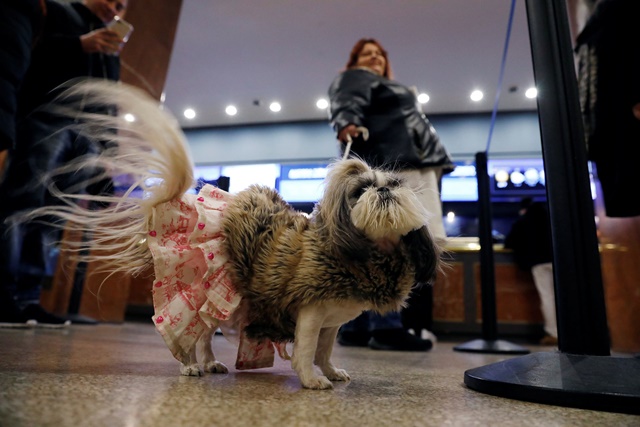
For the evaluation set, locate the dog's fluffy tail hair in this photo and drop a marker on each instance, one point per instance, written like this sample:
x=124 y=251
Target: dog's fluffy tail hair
x=143 y=147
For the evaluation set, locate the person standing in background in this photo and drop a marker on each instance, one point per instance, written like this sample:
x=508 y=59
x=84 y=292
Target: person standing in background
x=20 y=24
x=530 y=240
x=400 y=137
x=74 y=43
x=609 y=83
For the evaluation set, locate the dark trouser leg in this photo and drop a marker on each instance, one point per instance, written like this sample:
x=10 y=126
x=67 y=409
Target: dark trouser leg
x=418 y=314
x=41 y=147
x=10 y=247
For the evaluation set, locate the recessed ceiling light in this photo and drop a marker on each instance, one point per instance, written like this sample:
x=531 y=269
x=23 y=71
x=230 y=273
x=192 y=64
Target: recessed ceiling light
x=190 y=113
x=423 y=98
x=322 y=103
x=231 y=110
x=130 y=117
x=275 y=107
x=531 y=93
x=476 y=95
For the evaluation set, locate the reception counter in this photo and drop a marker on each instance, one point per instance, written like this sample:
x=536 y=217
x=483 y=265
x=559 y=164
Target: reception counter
x=457 y=307
x=457 y=299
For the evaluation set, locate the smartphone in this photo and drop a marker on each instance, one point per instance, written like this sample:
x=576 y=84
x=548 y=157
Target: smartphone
x=121 y=27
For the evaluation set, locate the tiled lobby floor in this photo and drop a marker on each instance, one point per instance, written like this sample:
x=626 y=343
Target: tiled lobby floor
x=122 y=375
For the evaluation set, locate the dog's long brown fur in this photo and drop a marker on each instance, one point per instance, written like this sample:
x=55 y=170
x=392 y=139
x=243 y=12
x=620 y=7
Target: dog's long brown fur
x=282 y=260
x=364 y=247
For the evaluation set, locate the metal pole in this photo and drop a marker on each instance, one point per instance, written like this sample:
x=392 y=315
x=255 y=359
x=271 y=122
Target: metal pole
x=487 y=267
x=582 y=322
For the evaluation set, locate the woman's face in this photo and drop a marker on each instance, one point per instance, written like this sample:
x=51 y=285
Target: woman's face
x=106 y=10
x=371 y=57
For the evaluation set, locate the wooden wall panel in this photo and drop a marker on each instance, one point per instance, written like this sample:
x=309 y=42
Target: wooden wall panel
x=141 y=287
x=55 y=296
x=517 y=299
x=104 y=296
x=448 y=294
x=145 y=59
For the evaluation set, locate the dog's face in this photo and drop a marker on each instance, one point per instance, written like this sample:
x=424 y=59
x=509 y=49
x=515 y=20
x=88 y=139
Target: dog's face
x=364 y=203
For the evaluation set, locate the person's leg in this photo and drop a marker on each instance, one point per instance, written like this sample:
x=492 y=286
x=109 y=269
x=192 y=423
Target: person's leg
x=10 y=248
x=355 y=333
x=388 y=333
x=426 y=184
x=15 y=176
x=543 y=279
x=418 y=314
x=39 y=150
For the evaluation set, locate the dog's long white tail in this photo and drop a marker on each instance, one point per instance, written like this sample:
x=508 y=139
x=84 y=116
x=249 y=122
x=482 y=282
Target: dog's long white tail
x=145 y=148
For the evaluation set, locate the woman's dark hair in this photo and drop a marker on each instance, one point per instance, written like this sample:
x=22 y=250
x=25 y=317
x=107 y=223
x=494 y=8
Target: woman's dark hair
x=357 y=48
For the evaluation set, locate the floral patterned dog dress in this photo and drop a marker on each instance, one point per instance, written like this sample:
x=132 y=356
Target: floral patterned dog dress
x=192 y=291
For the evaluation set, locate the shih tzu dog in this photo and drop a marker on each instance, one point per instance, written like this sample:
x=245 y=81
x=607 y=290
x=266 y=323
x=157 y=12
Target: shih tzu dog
x=244 y=262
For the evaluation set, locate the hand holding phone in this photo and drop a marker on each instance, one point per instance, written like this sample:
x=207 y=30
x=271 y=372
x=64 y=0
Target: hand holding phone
x=121 y=27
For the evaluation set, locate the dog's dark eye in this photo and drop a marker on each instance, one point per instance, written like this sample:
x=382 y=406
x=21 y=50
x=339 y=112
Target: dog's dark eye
x=394 y=182
x=358 y=192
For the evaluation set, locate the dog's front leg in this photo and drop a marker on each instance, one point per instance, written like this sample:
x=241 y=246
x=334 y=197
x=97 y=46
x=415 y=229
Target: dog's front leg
x=323 y=355
x=308 y=325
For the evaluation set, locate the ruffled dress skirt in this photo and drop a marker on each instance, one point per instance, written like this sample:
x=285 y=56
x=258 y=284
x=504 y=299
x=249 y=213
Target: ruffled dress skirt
x=192 y=291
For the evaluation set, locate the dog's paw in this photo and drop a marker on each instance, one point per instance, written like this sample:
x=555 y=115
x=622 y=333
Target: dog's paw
x=215 y=367
x=317 y=383
x=192 y=370
x=338 y=375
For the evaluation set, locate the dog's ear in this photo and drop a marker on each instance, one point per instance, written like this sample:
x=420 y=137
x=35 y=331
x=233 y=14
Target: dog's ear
x=424 y=253
x=333 y=217
x=333 y=212
x=350 y=241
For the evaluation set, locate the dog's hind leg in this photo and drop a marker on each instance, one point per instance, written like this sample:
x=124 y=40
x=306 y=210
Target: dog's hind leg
x=323 y=355
x=308 y=325
x=209 y=362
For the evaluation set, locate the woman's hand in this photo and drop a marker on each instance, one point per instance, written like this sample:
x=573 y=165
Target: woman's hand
x=348 y=132
x=101 y=41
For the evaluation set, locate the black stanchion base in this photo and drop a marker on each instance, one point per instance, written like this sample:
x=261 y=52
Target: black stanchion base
x=602 y=383
x=491 y=346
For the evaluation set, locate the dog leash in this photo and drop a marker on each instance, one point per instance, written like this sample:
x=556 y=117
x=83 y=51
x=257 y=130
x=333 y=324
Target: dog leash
x=364 y=134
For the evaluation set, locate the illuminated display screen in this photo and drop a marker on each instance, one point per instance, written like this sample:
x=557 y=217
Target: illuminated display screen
x=302 y=182
x=510 y=179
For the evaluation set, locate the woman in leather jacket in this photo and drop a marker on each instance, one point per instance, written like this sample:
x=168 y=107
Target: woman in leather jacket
x=400 y=137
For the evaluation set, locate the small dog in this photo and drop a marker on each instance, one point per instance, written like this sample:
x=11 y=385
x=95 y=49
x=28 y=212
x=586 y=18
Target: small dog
x=294 y=278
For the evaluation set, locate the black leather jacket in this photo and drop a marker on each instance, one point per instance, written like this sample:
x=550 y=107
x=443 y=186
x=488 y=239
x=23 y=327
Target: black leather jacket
x=58 y=56
x=20 y=23
x=400 y=135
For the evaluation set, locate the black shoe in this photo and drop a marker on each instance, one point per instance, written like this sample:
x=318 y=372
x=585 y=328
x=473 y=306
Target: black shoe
x=353 y=339
x=398 y=340
x=11 y=316
x=43 y=317
x=10 y=313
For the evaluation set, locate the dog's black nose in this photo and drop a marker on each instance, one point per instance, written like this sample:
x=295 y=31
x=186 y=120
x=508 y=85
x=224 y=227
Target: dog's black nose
x=384 y=194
